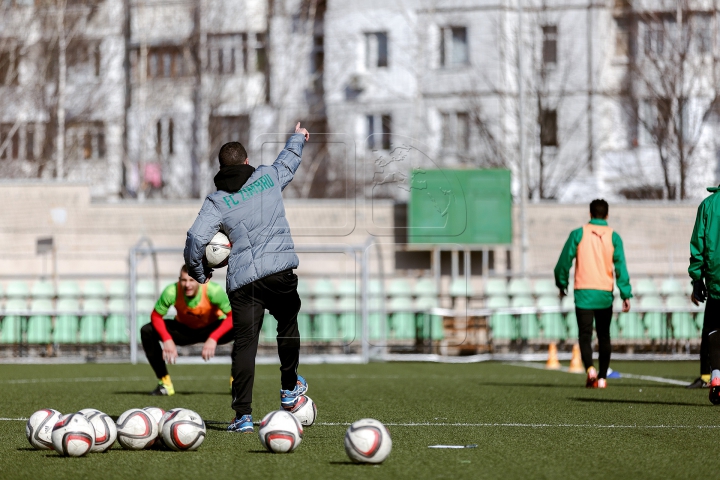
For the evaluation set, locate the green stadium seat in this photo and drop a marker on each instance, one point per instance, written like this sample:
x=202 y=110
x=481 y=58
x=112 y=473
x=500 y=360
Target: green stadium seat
x=529 y=328
x=12 y=323
x=39 y=326
x=519 y=287
x=348 y=288
x=631 y=325
x=425 y=287
x=17 y=289
x=571 y=317
x=323 y=287
x=545 y=288
x=399 y=287
x=683 y=324
x=304 y=327
x=92 y=323
x=144 y=308
x=303 y=288
x=42 y=289
x=146 y=288
x=460 y=287
x=496 y=287
x=66 y=322
x=350 y=319
x=119 y=289
x=116 y=327
x=655 y=322
x=69 y=289
x=645 y=286
x=502 y=324
x=376 y=288
x=553 y=325
x=93 y=289
x=672 y=287
x=402 y=319
x=431 y=326
x=325 y=322
x=269 y=329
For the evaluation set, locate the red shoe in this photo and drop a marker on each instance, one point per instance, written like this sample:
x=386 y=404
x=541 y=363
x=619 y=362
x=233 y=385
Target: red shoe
x=601 y=383
x=715 y=391
x=592 y=380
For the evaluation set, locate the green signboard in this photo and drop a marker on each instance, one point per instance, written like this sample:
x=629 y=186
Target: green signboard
x=460 y=206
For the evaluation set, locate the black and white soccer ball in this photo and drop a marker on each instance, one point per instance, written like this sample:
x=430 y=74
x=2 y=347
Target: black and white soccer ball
x=305 y=410
x=280 y=432
x=105 y=429
x=38 y=428
x=183 y=429
x=136 y=429
x=218 y=251
x=73 y=435
x=367 y=441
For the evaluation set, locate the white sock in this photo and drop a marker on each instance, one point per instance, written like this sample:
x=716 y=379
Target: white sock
x=715 y=374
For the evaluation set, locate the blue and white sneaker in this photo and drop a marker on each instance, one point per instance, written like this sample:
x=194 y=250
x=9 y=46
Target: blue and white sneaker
x=288 y=398
x=243 y=424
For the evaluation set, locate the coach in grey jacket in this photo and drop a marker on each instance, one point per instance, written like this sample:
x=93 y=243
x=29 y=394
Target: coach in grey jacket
x=248 y=207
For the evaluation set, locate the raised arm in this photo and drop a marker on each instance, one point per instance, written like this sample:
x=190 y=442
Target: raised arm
x=288 y=161
x=207 y=224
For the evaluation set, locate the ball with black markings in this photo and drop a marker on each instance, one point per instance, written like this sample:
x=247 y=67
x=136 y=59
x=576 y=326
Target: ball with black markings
x=105 y=429
x=183 y=429
x=38 y=428
x=367 y=441
x=136 y=429
x=73 y=435
x=305 y=410
x=280 y=432
x=218 y=251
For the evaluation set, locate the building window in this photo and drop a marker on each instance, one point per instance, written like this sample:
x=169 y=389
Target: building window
x=317 y=63
x=454 y=47
x=226 y=53
x=9 y=63
x=83 y=54
x=165 y=137
x=548 y=128
x=622 y=38
x=376 y=50
x=260 y=53
x=86 y=140
x=379 y=131
x=703 y=32
x=549 y=51
x=30 y=142
x=165 y=62
x=455 y=131
x=654 y=38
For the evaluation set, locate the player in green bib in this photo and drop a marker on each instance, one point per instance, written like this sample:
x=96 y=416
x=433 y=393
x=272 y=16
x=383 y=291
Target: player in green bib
x=203 y=315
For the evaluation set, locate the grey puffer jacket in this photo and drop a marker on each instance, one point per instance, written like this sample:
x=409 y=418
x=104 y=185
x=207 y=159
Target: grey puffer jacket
x=254 y=220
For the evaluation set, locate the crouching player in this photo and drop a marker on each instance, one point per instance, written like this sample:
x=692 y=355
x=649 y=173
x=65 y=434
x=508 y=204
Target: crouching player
x=203 y=315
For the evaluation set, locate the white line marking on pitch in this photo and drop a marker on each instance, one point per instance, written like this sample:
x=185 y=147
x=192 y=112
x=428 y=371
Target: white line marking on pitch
x=648 y=378
x=523 y=425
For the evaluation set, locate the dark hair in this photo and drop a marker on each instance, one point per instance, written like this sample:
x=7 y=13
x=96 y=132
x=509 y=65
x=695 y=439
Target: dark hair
x=599 y=208
x=232 y=153
x=183 y=269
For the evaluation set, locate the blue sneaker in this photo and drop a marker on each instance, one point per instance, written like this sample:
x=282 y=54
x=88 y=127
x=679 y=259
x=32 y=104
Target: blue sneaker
x=288 y=398
x=243 y=424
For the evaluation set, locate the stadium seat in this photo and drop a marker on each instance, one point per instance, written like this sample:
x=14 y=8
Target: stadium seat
x=519 y=287
x=545 y=288
x=144 y=308
x=402 y=319
x=655 y=322
x=39 y=326
x=376 y=288
x=325 y=322
x=304 y=327
x=671 y=287
x=66 y=322
x=116 y=327
x=399 y=287
x=552 y=324
x=683 y=325
x=529 y=328
x=17 y=289
x=11 y=325
x=269 y=329
x=42 y=289
x=502 y=324
x=425 y=287
x=92 y=323
x=631 y=325
x=431 y=326
x=146 y=288
x=350 y=319
x=323 y=287
x=645 y=286
x=460 y=287
x=93 y=289
x=570 y=318
x=496 y=287
x=348 y=288
x=303 y=288
x=68 y=289
x=118 y=289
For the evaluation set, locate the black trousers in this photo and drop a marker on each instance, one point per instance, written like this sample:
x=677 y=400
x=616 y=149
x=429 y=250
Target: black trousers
x=711 y=325
x=181 y=335
x=704 y=344
x=603 y=317
x=278 y=294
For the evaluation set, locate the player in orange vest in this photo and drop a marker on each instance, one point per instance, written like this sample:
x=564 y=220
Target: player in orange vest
x=203 y=315
x=596 y=249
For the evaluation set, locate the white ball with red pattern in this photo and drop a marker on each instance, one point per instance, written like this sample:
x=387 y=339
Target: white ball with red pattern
x=218 y=251
x=136 y=429
x=183 y=429
x=280 y=432
x=105 y=429
x=367 y=441
x=305 y=410
x=38 y=428
x=73 y=435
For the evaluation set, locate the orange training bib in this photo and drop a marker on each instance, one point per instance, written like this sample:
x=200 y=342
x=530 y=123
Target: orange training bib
x=594 y=261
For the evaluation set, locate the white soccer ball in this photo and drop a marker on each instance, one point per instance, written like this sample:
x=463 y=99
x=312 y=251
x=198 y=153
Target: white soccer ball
x=305 y=410
x=73 y=435
x=156 y=414
x=367 y=441
x=136 y=429
x=105 y=429
x=218 y=251
x=38 y=428
x=183 y=429
x=280 y=432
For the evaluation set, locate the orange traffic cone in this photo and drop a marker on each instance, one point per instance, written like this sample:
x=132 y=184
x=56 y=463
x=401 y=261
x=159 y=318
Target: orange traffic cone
x=552 y=362
x=576 y=365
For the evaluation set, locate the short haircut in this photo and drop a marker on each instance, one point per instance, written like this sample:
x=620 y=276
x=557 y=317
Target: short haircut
x=232 y=153
x=599 y=208
x=183 y=269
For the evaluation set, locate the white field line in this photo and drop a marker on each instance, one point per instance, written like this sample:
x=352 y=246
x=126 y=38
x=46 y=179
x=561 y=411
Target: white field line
x=648 y=378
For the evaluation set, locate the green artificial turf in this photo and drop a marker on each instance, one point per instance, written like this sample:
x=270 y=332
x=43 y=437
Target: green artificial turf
x=528 y=423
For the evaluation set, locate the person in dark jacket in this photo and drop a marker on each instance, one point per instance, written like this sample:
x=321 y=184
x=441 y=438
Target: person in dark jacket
x=248 y=208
